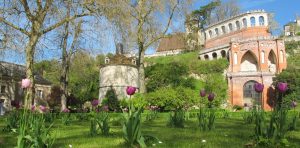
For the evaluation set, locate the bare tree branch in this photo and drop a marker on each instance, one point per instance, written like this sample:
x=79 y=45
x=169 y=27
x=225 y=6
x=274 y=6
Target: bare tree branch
x=14 y=26
x=63 y=21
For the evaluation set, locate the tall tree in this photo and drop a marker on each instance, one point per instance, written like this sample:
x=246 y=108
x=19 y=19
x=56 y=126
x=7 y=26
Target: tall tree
x=145 y=21
x=67 y=52
x=203 y=14
x=37 y=18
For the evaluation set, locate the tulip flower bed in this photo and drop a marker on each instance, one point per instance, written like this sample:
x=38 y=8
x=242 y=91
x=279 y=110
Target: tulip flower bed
x=229 y=132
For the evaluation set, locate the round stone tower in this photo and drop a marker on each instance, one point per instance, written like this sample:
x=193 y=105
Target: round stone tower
x=117 y=73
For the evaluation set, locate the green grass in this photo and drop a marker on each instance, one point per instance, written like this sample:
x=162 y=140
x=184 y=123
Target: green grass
x=231 y=133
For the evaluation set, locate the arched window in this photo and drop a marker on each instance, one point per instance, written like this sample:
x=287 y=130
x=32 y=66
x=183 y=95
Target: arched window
x=252 y=20
x=281 y=56
x=272 y=61
x=262 y=57
x=210 y=34
x=223 y=29
x=244 y=22
x=206 y=57
x=251 y=97
x=230 y=27
x=237 y=24
x=235 y=58
x=214 y=55
x=217 y=31
x=261 y=21
x=223 y=53
x=249 y=62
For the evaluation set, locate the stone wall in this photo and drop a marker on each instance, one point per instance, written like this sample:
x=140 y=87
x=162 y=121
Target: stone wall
x=117 y=77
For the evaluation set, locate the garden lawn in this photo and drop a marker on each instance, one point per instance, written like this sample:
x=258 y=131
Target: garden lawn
x=232 y=132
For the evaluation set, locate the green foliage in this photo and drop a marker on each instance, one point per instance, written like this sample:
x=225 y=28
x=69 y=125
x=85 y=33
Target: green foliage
x=132 y=129
x=164 y=75
x=290 y=47
x=292 y=76
x=102 y=121
x=248 y=117
x=173 y=98
x=112 y=100
x=33 y=131
x=49 y=70
x=206 y=118
x=177 y=118
x=217 y=84
x=65 y=118
x=152 y=115
x=12 y=121
x=271 y=133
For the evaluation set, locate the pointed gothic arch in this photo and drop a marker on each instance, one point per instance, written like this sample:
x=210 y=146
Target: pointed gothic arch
x=249 y=62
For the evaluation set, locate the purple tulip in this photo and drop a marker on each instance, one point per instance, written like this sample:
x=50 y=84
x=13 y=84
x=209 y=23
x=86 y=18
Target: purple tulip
x=258 y=87
x=202 y=93
x=43 y=108
x=211 y=97
x=95 y=102
x=66 y=110
x=15 y=104
x=26 y=83
x=293 y=104
x=130 y=90
x=282 y=87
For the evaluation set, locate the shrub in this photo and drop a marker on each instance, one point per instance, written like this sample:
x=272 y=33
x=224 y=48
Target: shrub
x=112 y=100
x=12 y=121
x=172 y=98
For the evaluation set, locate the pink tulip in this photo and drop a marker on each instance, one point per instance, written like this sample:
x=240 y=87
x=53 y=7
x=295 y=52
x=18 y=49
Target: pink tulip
x=294 y=104
x=33 y=108
x=26 y=83
x=43 y=108
x=130 y=90
x=66 y=110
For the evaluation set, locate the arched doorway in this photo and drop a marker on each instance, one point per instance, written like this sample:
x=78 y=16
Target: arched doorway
x=251 y=97
x=249 y=62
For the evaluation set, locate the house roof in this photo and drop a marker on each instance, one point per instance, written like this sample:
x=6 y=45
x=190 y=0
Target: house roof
x=18 y=72
x=173 y=42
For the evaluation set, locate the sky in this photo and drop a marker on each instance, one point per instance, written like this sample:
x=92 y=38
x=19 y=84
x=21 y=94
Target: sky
x=284 y=12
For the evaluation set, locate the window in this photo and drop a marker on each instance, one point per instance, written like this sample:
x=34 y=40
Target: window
x=235 y=58
x=252 y=20
x=215 y=56
x=251 y=97
x=3 y=89
x=230 y=27
x=245 y=23
x=223 y=29
x=39 y=93
x=262 y=56
x=217 y=31
x=237 y=24
x=210 y=34
x=261 y=21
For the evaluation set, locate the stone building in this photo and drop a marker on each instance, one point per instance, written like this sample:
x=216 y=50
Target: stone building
x=11 y=76
x=254 y=56
x=292 y=28
x=117 y=73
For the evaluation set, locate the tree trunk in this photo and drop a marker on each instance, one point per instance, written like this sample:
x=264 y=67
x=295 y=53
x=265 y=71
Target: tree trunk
x=64 y=73
x=141 y=69
x=30 y=48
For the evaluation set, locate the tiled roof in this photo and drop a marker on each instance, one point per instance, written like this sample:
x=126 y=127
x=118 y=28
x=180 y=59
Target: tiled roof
x=18 y=72
x=173 y=42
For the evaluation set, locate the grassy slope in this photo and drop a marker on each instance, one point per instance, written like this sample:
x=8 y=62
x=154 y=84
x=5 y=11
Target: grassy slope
x=232 y=132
